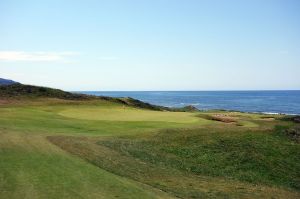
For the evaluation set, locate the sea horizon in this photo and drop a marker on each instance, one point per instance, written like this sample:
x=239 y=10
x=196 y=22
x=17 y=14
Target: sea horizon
x=76 y=91
x=252 y=101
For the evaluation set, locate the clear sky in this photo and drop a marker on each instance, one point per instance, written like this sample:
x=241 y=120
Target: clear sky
x=151 y=44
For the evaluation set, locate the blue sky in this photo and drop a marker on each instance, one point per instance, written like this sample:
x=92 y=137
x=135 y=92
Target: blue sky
x=151 y=44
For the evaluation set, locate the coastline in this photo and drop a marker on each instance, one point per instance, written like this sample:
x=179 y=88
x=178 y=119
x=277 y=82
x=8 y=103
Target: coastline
x=260 y=102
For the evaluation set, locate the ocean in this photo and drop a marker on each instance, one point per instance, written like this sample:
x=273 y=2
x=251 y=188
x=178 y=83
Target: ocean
x=277 y=102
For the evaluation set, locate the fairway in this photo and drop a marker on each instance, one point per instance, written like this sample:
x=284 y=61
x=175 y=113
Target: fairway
x=119 y=113
x=33 y=168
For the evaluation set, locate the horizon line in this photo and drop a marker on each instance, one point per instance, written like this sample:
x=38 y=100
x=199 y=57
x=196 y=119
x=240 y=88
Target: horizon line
x=182 y=90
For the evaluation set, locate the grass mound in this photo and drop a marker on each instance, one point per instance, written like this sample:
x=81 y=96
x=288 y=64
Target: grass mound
x=250 y=156
x=21 y=91
x=195 y=163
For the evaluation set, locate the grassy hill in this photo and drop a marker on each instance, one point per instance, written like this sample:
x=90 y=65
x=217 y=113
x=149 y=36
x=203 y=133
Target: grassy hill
x=21 y=91
x=7 y=81
x=55 y=144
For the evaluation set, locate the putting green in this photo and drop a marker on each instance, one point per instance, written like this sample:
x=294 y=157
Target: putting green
x=128 y=114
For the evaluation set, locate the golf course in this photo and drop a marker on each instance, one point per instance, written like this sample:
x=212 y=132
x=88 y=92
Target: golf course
x=55 y=144
x=150 y=99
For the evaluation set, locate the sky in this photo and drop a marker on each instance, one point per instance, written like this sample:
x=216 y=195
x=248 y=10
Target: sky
x=157 y=45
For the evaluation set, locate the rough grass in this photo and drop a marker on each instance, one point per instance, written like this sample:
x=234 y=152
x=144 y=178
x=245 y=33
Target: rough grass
x=165 y=170
x=20 y=90
x=250 y=156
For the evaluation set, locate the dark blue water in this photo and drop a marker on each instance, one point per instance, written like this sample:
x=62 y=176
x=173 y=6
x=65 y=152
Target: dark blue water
x=287 y=102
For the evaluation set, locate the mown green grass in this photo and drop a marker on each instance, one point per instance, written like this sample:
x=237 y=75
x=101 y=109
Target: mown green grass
x=81 y=149
x=123 y=113
x=49 y=118
x=30 y=167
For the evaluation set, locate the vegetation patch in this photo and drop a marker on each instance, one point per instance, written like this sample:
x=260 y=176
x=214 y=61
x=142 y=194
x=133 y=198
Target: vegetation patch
x=144 y=168
x=20 y=90
x=295 y=119
x=250 y=156
x=294 y=133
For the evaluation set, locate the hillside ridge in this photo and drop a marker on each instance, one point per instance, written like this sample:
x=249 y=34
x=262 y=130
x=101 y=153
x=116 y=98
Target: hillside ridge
x=18 y=90
x=7 y=81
